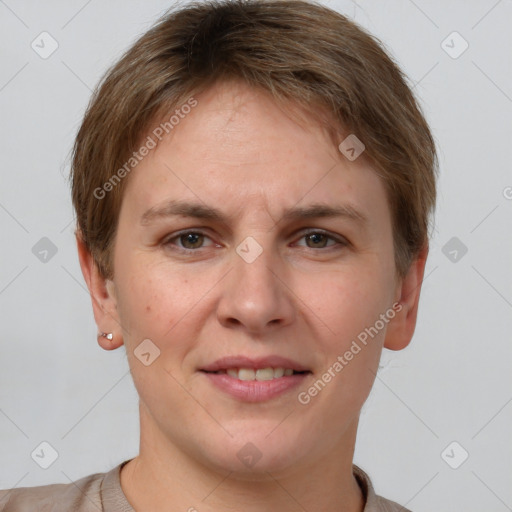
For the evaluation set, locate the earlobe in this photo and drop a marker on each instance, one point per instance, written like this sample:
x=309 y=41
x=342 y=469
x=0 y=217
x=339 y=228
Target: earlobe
x=401 y=329
x=107 y=342
x=102 y=292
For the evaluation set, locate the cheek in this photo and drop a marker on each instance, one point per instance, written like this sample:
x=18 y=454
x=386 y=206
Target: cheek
x=142 y=301
x=344 y=303
x=358 y=302
x=346 y=308
x=156 y=308
x=156 y=302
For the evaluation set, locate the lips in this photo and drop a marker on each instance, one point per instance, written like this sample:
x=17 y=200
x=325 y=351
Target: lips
x=241 y=362
x=255 y=380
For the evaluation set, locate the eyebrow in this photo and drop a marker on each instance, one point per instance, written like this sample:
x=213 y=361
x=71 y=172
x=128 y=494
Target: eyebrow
x=174 y=208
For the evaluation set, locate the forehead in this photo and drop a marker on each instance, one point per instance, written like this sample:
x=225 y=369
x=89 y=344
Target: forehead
x=237 y=149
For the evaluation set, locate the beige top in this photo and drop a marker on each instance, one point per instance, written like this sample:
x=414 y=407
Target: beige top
x=103 y=492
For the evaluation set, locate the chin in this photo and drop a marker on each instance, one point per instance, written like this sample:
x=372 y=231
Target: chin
x=253 y=457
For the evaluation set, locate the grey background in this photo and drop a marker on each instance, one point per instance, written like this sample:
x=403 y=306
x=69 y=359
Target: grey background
x=453 y=383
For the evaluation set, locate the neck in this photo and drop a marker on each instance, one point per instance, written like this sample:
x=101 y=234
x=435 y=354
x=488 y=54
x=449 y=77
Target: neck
x=165 y=478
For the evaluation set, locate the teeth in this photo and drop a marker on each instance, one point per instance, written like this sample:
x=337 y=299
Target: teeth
x=264 y=374
x=260 y=374
x=279 y=372
x=246 y=374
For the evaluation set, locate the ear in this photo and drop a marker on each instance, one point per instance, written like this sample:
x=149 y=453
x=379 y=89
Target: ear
x=401 y=328
x=102 y=291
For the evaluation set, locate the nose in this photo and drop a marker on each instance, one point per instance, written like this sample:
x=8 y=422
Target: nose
x=256 y=296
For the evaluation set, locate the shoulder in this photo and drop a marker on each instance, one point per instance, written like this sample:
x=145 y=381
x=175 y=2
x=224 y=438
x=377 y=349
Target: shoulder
x=374 y=503
x=81 y=496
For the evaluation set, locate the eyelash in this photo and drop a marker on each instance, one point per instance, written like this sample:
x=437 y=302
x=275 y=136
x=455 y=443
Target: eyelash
x=167 y=242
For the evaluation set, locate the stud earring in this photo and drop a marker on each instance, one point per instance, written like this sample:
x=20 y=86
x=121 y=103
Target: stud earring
x=108 y=335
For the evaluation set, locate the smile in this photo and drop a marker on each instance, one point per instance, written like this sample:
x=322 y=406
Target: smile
x=261 y=374
x=257 y=379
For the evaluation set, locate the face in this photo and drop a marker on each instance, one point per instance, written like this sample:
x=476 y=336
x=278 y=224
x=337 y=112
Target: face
x=283 y=262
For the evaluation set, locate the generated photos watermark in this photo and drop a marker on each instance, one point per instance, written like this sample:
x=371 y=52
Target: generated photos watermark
x=304 y=397
x=150 y=143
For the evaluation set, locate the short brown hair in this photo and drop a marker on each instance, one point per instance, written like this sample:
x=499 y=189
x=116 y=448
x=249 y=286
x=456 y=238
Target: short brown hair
x=296 y=50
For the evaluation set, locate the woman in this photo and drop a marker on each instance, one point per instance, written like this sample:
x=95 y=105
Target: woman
x=253 y=183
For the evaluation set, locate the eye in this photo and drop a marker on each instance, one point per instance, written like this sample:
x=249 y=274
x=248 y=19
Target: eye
x=316 y=239
x=189 y=240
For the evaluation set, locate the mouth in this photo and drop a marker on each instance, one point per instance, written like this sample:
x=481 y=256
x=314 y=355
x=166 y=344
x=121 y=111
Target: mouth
x=255 y=380
x=260 y=374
